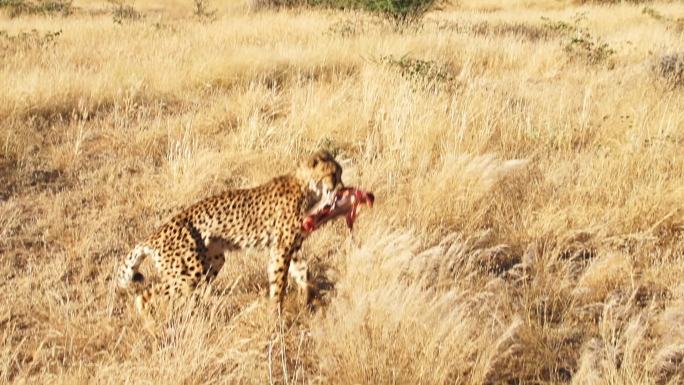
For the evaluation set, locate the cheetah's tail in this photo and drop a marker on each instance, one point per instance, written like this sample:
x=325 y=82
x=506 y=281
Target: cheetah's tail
x=129 y=271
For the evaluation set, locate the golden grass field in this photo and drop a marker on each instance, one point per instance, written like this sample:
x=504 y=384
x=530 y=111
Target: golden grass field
x=528 y=227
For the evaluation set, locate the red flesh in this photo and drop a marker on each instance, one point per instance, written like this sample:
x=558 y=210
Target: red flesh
x=348 y=202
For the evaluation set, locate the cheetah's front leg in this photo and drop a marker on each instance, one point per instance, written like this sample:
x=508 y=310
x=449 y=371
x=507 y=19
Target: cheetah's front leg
x=300 y=273
x=278 y=267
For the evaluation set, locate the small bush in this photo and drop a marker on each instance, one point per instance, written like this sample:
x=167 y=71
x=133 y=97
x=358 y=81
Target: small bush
x=122 y=12
x=587 y=48
x=52 y=6
x=670 y=69
x=256 y=5
x=20 y=7
x=424 y=73
x=653 y=13
x=353 y=26
x=202 y=10
x=581 y=44
x=558 y=27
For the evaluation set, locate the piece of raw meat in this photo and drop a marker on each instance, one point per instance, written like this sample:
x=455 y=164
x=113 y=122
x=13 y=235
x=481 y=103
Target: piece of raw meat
x=347 y=202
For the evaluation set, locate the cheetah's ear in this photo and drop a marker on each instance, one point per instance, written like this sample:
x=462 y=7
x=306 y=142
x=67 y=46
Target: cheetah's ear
x=319 y=156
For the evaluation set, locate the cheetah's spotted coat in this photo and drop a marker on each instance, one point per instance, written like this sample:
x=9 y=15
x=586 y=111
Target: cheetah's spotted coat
x=190 y=247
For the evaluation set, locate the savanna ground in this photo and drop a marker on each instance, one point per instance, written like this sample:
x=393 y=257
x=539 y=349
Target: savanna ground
x=526 y=156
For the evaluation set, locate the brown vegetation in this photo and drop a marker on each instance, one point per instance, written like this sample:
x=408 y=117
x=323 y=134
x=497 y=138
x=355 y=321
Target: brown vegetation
x=528 y=226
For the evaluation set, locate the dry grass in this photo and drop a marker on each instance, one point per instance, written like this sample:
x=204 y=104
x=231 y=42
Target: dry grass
x=529 y=221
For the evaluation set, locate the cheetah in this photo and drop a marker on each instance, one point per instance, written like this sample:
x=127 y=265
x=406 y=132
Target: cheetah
x=190 y=247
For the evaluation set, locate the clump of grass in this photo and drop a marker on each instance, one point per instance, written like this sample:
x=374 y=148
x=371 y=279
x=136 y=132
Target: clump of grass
x=24 y=41
x=609 y=2
x=670 y=69
x=668 y=365
x=470 y=269
x=653 y=13
x=671 y=23
x=23 y=7
x=527 y=31
x=353 y=26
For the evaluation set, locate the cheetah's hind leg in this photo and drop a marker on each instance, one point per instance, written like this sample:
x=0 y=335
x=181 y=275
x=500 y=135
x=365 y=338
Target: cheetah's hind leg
x=175 y=283
x=168 y=292
x=128 y=273
x=214 y=257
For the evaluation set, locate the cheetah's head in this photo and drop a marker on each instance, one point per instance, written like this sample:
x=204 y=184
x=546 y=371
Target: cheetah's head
x=322 y=176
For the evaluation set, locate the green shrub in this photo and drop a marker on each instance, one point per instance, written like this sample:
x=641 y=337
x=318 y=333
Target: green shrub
x=398 y=10
x=580 y=44
x=586 y=47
